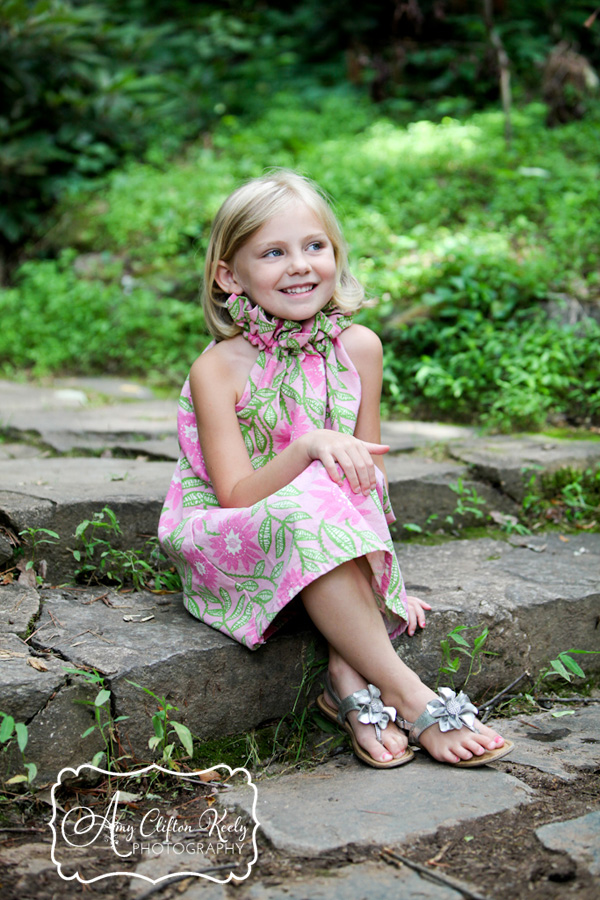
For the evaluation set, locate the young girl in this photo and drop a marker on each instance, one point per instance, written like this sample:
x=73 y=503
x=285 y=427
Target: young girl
x=280 y=488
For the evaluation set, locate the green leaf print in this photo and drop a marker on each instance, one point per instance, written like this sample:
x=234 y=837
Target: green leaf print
x=301 y=534
x=296 y=517
x=243 y=620
x=259 y=568
x=316 y=405
x=184 y=463
x=248 y=585
x=260 y=438
x=248 y=443
x=309 y=566
x=291 y=393
x=238 y=609
x=267 y=394
x=310 y=553
x=270 y=417
x=225 y=596
x=343 y=395
x=280 y=541
x=283 y=504
x=264 y=535
x=277 y=570
x=184 y=403
x=263 y=597
x=340 y=538
x=259 y=461
x=194 y=498
x=191 y=482
x=290 y=490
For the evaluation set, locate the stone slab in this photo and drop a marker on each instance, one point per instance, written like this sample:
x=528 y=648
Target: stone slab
x=408 y=435
x=580 y=838
x=342 y=803
x=358 y=882
x=60 y=493
x=421 y=495
x=25 y=689
x=535 y=604
x=218 y=686
x=502 y=460
x=18 y=606
x=555 y=745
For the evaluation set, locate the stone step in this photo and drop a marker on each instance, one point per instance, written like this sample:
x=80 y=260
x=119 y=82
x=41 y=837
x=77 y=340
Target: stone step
x=537 y=597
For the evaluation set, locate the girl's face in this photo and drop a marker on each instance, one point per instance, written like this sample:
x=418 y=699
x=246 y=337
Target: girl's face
x=287 y=267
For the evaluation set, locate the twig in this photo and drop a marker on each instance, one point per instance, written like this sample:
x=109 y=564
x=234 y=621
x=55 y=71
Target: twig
x=489 y=705
x=567 y=699
x=386 y=853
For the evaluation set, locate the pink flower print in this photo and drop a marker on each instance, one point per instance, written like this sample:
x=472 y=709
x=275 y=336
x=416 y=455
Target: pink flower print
x=235 y=546
x=206 y=573
x=287 y=432
x=290 y=582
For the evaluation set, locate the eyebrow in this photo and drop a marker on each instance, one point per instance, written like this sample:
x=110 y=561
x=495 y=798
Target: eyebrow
x=319 y=235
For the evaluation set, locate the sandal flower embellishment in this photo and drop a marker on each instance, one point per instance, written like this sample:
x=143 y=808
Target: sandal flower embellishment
x=372 y=711
x=452 y=710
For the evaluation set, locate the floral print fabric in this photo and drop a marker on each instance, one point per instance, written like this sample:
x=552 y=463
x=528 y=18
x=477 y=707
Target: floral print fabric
x=241 y=567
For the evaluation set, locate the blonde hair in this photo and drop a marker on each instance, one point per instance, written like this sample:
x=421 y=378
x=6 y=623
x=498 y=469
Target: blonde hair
x=245 y=211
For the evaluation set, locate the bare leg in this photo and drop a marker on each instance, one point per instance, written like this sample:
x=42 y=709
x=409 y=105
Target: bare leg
x=342 y=606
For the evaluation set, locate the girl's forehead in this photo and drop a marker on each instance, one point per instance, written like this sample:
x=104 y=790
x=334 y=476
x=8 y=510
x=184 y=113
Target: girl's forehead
x=295 y=216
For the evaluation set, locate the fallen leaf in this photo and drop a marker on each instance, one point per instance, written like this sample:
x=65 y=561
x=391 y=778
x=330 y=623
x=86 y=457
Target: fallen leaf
x=564 y=539
x=137 y=618
x=38 y=664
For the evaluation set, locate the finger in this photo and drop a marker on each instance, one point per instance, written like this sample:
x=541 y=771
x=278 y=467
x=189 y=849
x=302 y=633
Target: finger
x=379 y=449
x=331 y=467
x=349 y=470
x=412 y=621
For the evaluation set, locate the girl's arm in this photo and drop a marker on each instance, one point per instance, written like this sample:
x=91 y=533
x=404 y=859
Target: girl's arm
x=215 y=385
x=364 y=349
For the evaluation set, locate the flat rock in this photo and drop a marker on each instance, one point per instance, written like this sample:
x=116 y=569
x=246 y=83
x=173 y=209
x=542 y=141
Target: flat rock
x=530 y=599
x=60 y=493
x=337 y=804
x=218 y=686
x=555 y=745
x=508 y=462
x=421 y=493
x=18 y=606
x=577 y=837
x=363 y=880
x=408 y=435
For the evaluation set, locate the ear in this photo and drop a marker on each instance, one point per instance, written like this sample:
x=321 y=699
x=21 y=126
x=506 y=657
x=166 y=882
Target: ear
x=225 y=278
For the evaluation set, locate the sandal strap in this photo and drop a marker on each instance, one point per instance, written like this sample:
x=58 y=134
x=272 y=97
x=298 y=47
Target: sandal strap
x=449 y=710
x=371 y=710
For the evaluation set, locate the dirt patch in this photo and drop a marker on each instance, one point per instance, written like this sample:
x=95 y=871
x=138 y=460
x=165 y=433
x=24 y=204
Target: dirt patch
x=497 y=856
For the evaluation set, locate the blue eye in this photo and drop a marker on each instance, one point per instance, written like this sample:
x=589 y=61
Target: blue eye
x=315 y=245
x=274 y=252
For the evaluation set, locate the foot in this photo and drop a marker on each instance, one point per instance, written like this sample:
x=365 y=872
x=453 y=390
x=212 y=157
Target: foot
x=393 y=742
x=453 y=746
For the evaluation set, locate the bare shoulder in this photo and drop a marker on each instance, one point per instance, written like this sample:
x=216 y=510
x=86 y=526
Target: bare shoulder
x=228 y=362
x=362 y=345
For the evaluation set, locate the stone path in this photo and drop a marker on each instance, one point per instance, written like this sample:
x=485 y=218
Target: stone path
x=79 y=444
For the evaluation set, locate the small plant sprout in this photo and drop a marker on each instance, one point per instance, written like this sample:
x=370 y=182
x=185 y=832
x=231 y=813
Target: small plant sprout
x=9 y=732
x=102 y=562
x=563 y=668
x=468 y=500
x=35 y=537
x=165 y=728
x=104 y=722
x=455 y=645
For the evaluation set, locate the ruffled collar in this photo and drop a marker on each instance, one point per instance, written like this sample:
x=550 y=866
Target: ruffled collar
x=284 y=335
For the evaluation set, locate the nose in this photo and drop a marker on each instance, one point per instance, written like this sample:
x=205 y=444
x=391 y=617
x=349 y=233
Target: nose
x=298 y=263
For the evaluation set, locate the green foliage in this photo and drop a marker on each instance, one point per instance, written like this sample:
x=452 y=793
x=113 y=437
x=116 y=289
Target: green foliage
x=567 y=497
x=35 y=537
x=164 y=728
x=101 y=561
x=463 y=246
x=11 y=731
x=104 y=722
x=454 y=646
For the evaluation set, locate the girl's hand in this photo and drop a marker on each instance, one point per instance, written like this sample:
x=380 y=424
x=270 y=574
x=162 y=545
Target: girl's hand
x=416 y=613
x=352 y=455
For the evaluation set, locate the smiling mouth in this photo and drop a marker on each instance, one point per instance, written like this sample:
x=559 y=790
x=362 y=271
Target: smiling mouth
x=302 y=289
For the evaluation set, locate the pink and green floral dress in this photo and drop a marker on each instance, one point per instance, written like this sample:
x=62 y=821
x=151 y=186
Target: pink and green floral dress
x=241 y=567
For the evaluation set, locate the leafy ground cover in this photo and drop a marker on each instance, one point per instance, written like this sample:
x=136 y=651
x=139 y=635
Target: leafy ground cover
x=484 y=258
